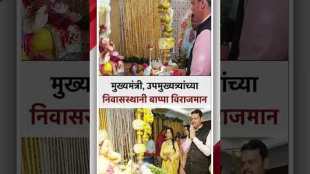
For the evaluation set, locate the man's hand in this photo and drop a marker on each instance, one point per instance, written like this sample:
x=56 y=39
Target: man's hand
x=192 y=133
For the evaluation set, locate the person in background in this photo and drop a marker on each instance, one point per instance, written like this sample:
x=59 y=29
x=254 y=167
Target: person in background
x=150 y=151
x=170 y=154
x=186 y=43
x=159 y=141
x=254 y=155
x=185 y=138
x=200 y=58
x=199 y=155
x=178 y=139
x=184 y=147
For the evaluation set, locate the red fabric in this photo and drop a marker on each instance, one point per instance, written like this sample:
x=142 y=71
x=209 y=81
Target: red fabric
x=26 y=2
x=159 y=141
x=27 y=44
x=93 y=23
x=217 y=158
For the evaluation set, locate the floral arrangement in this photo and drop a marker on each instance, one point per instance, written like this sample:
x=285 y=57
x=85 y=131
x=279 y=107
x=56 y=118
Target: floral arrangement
x=111 y=62
x=51 y=29
x=166 y=17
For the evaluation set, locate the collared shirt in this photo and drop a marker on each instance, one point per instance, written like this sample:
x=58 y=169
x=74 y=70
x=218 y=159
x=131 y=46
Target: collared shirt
x=201 y=61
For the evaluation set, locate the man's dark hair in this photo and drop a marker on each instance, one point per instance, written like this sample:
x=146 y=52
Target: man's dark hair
x=197 y=111
x=178 y=135
x=209 y=2
x=256 y=145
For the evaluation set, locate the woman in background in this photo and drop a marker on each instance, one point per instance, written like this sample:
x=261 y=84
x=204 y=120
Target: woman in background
x=178 y=140
x=170 y=153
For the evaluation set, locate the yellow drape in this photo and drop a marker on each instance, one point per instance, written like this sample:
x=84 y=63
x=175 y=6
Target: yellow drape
x=102 y=119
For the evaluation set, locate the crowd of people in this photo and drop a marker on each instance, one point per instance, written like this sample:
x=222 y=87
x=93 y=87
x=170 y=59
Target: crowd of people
x=188 y=152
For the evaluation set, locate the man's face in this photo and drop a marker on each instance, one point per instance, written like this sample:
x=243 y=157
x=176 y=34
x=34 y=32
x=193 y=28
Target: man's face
x=200 y=10
x=251 y=162
x=196 y=6
x=195 y=120
x=194 y=22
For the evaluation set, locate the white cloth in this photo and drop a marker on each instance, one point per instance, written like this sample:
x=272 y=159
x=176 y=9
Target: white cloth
x=205 y=148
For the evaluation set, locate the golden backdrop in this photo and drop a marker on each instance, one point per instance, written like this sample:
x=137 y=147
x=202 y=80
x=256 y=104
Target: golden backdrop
x=118 y=124
x=135 y=24
x=102 y=119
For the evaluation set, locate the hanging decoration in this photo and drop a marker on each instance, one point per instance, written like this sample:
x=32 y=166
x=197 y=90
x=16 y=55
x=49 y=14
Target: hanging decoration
x=120 y=125
x=41 y=155
x=166 y=41
x=140 y=28
x=142 y=125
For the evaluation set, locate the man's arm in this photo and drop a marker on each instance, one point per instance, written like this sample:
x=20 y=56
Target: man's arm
x=201 y=63
x=204 y=148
